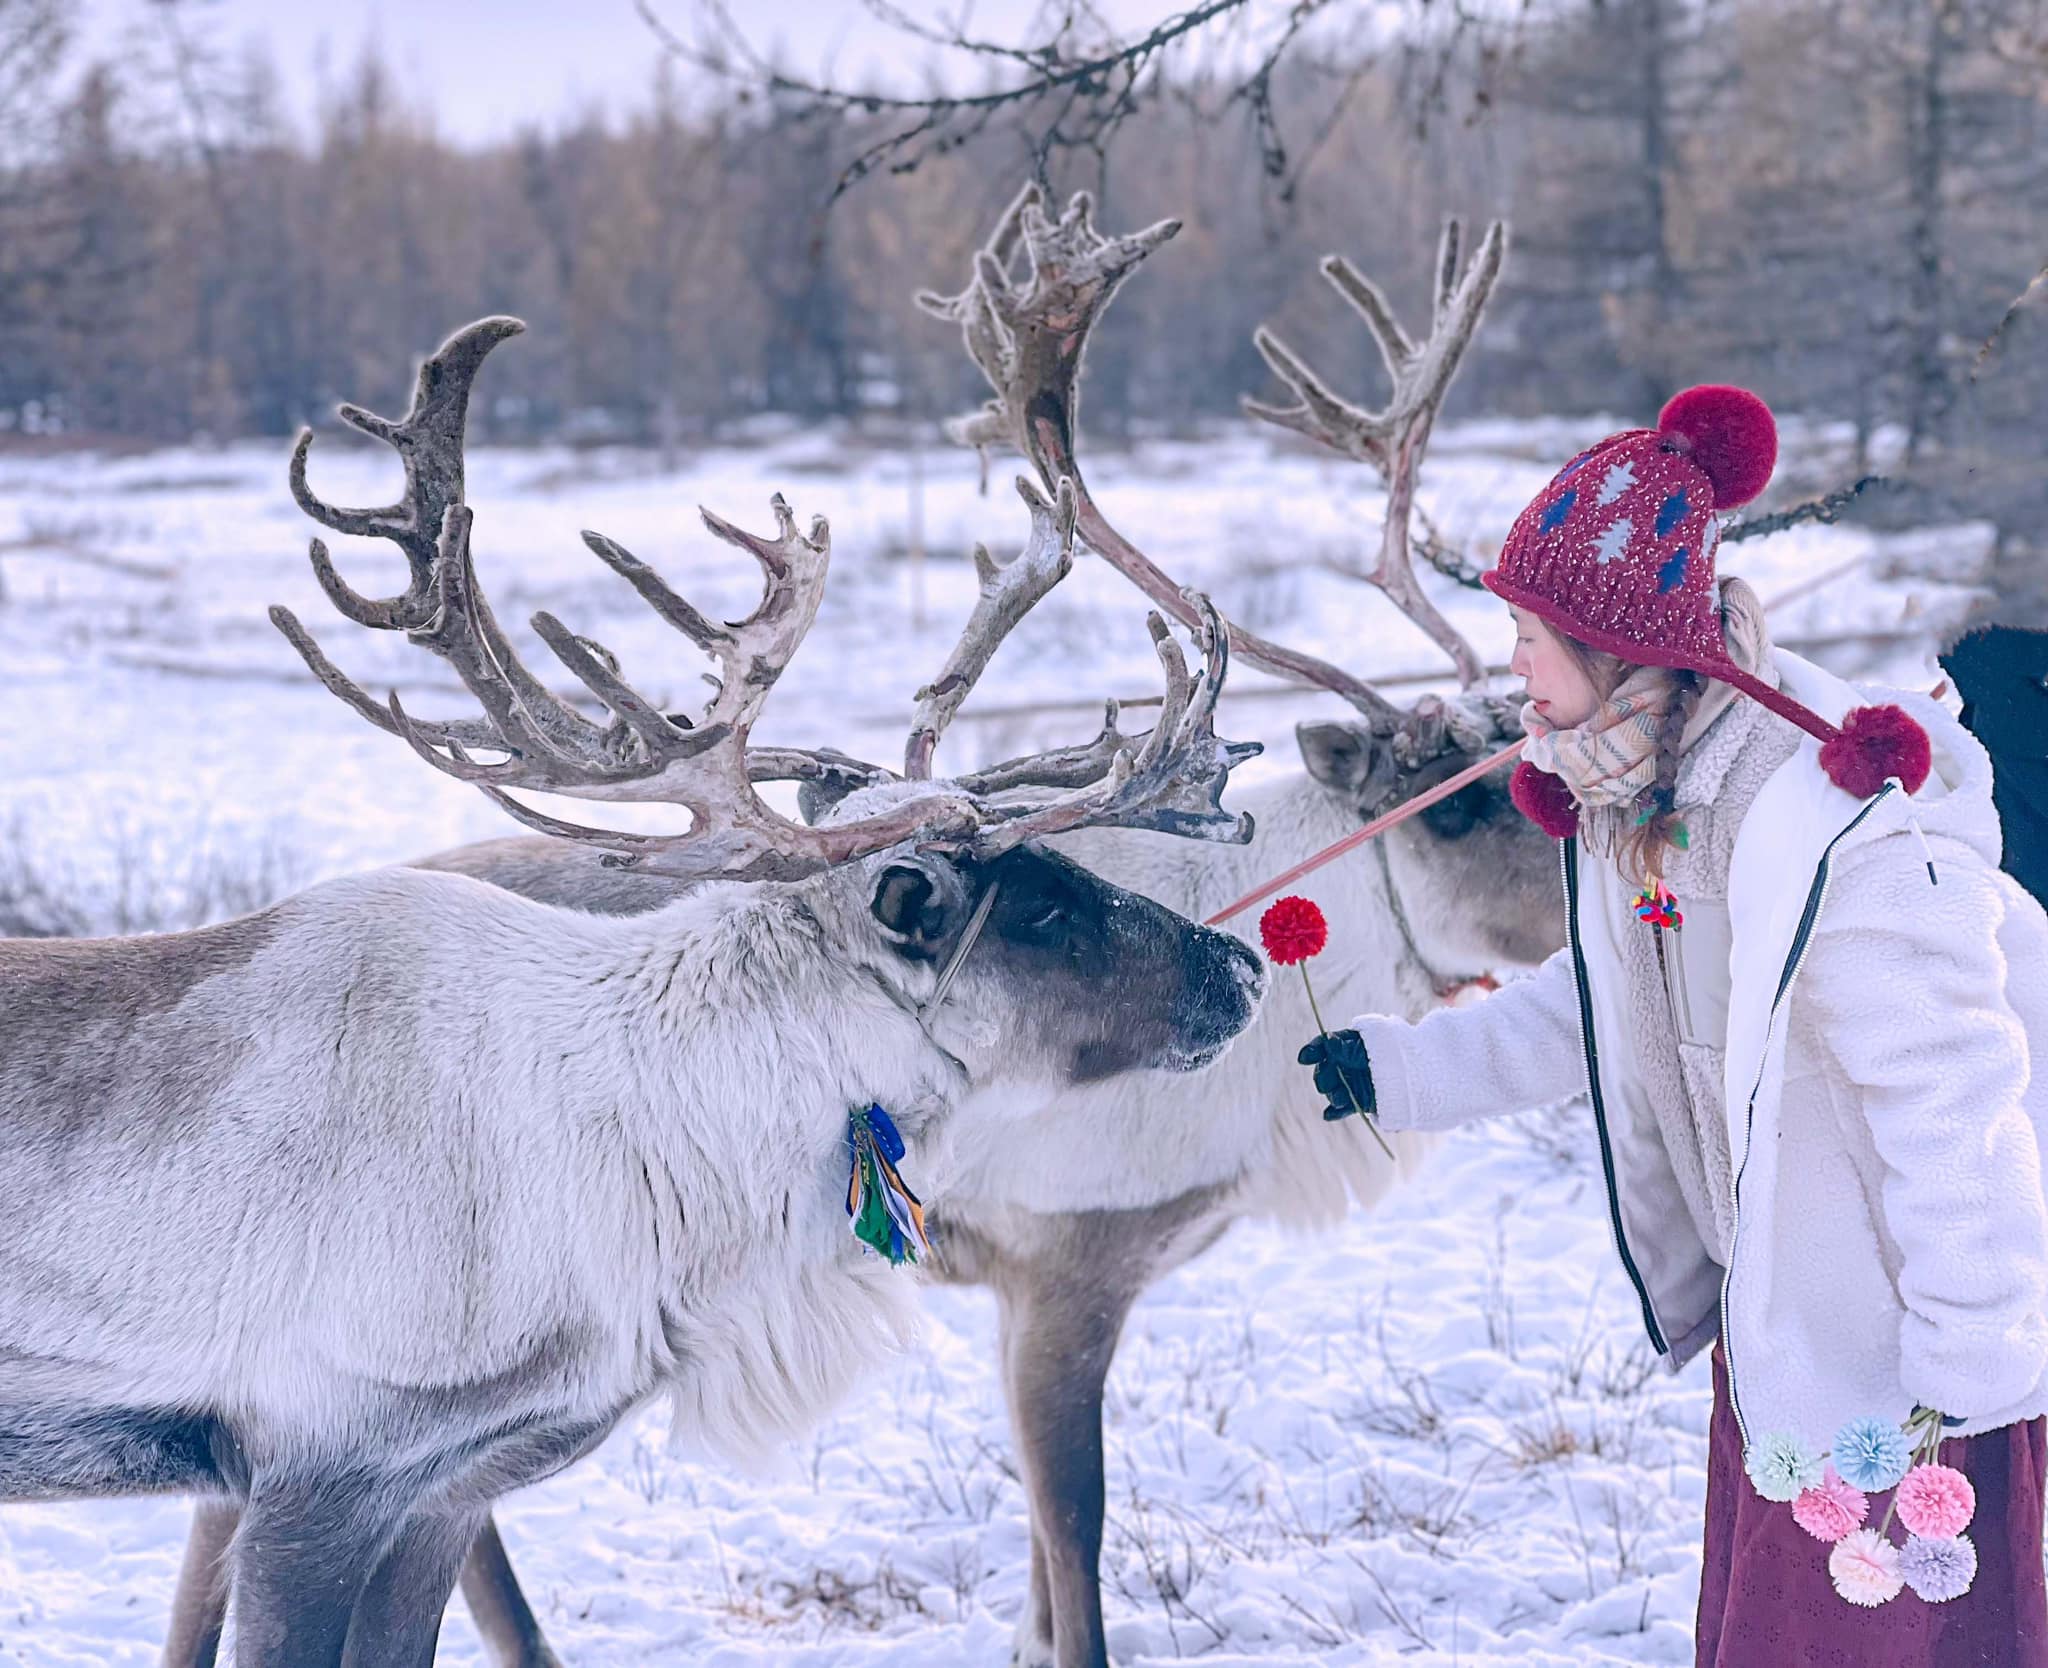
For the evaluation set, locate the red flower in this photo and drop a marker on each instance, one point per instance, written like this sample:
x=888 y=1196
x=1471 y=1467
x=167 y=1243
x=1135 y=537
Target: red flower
x=1293 y=929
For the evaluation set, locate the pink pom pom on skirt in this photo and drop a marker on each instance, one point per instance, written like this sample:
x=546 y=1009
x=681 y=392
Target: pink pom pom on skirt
x=1766 y=1600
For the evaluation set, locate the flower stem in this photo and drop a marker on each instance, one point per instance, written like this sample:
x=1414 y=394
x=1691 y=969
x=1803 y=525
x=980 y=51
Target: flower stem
x=1350 y=1093
x=1321 y=1028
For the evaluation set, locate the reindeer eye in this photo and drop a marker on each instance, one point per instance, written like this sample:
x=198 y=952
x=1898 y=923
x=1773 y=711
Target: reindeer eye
x=1041 y=920
x=1465 y=810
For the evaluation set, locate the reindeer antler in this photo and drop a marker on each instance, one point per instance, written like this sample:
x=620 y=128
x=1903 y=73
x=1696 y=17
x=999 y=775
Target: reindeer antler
x=428 y=440
x=1007 y=592
x=1175 y=767
x=1027 y=331
x=1394 y=437
x=643 y=754
x=1173 y=783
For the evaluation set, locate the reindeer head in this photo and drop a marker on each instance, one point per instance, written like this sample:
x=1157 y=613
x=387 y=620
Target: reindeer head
x=1067 y=978
x=1485 y=875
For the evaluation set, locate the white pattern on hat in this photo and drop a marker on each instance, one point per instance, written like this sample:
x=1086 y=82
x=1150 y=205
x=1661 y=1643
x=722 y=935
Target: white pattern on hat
x=1619 y=479
x=1614 y=542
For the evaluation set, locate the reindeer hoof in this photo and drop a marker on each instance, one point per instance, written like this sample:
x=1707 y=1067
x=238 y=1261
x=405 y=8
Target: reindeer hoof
x=1029 y=1649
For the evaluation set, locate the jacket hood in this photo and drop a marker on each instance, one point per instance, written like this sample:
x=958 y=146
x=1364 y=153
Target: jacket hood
x=1954 y=803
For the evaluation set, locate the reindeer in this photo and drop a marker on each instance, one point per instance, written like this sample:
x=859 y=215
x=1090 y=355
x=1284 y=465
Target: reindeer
x=1466 y=886
x=368 y=1207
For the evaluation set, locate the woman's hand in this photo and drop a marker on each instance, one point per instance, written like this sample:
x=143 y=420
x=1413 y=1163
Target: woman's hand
x=1343 y=1073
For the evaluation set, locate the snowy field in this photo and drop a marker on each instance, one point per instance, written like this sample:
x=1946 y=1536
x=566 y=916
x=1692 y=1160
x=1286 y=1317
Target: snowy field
x=1432 y=1438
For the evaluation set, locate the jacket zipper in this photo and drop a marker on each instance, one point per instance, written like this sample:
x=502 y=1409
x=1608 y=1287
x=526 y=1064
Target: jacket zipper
x=1677 y=997
x=1567 y=853
x=1816 y=896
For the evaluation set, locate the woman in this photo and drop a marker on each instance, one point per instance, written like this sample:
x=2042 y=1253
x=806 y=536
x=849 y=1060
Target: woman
x=1801 y=996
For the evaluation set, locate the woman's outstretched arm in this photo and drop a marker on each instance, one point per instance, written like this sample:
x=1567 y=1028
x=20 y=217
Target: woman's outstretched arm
x=1518 y=1048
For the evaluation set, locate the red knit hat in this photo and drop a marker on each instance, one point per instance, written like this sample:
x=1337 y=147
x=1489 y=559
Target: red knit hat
x=1618 y=552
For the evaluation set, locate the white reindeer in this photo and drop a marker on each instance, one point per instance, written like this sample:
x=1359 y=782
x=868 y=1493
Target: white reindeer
x=401 y=1193
x=1467 y=886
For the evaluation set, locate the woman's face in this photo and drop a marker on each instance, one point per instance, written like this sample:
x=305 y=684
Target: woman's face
x=1551 y=674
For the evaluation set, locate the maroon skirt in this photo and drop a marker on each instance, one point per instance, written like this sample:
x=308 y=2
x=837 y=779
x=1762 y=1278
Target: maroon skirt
x=1766 y=1600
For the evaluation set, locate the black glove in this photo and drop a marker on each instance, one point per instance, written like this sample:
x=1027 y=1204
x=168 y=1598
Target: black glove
x=1343 y=1074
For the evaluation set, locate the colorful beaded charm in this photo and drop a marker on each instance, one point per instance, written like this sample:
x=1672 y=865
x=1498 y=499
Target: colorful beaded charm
x=1657 y=904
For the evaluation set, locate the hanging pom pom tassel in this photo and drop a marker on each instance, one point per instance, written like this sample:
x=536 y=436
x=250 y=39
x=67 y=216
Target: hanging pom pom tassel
x=886 y=1215
x=1657 y=904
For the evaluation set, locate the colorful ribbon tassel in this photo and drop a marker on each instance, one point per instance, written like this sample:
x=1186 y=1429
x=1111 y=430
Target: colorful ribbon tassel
x=886 y=1215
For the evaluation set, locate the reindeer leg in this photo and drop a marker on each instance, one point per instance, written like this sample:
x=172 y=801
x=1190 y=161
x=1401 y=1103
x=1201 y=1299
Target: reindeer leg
x=498 y=1607
x=1062 y=1335
x=305 y=1549
x=397 y=1618
x=1033 y=1644
x=199 y=1609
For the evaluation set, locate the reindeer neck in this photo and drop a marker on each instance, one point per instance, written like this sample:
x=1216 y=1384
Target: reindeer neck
x=754 y=1303
x=751 y=1034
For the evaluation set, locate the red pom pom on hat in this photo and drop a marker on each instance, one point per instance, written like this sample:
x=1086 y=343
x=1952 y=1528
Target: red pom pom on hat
x=1731 y=435
x=1873 y=745
x=1544 y=800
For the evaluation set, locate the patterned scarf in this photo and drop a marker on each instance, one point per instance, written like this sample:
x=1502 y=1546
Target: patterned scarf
x=1611 y=757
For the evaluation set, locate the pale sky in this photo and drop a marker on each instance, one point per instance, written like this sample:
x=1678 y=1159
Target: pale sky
x=486 y=66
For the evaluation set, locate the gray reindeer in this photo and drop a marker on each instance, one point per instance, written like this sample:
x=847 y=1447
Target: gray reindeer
x=1467 y=886
x=365 y=1208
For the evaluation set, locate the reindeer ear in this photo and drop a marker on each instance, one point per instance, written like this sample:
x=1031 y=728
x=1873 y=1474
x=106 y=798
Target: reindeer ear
x=815 y=801
x=1348 y=759
x=913 y=903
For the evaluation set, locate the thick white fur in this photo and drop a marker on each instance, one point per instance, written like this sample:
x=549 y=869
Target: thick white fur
x=547 y=1135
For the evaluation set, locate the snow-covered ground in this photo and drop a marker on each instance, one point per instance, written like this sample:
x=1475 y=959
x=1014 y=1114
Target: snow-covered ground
x=1433 y=1437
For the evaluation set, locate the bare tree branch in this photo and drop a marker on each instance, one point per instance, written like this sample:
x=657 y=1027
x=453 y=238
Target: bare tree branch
x=1072 y=89
x=1826 y=511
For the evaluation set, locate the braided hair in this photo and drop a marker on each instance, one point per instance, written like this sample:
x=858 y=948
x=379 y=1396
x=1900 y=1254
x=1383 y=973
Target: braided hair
x=1638 y=837
x=1640 y=849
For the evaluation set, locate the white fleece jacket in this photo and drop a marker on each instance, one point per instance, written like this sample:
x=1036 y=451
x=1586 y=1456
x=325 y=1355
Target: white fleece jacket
x=1891 y=1237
